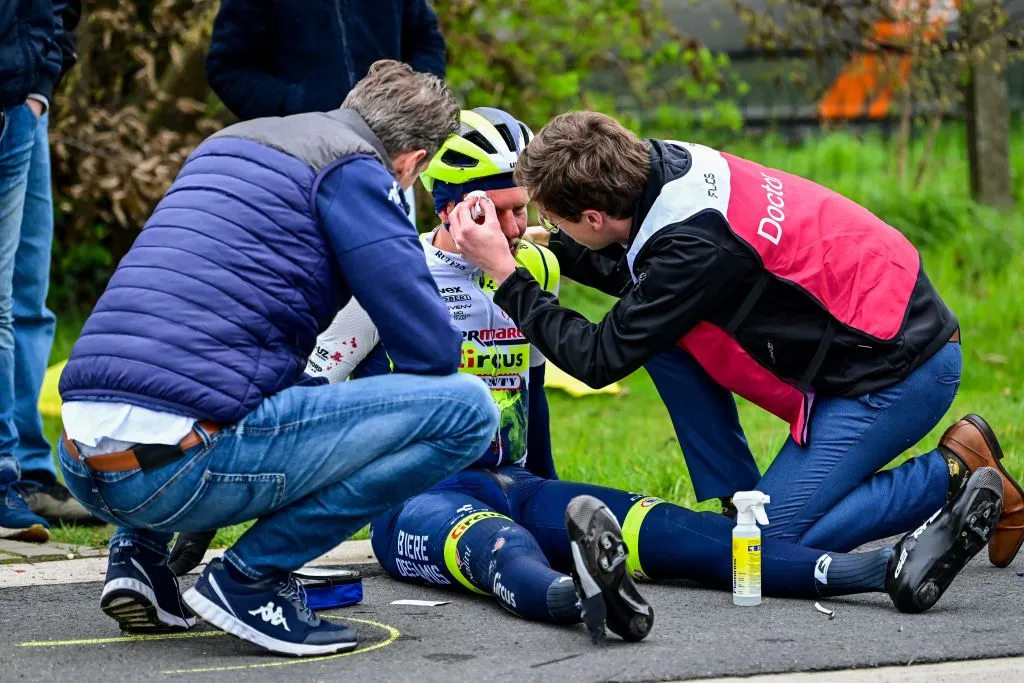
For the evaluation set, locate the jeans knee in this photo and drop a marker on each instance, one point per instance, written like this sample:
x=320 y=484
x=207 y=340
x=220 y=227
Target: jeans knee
x=472 y=401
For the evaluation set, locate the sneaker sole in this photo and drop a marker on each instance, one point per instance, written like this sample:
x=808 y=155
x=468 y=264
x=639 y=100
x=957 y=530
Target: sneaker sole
x=213 y=614
x=997 y=453
x=132 y=604
x=37 y=533
x=603 y=543
x=977 y=528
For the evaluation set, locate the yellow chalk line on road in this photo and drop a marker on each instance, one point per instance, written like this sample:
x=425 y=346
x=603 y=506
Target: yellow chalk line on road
x=392 y=632
x=121 y=639
x=392 y=637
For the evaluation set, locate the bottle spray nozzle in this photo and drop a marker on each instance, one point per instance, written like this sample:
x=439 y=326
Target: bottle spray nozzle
x=750 y=507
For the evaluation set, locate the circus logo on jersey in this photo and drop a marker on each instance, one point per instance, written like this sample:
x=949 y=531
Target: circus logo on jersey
x=504 y=361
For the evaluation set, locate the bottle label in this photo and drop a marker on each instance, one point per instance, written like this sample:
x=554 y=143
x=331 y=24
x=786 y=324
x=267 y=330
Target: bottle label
x=746 y=566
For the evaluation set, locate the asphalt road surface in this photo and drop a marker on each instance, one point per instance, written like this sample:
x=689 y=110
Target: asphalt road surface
x=58 y=633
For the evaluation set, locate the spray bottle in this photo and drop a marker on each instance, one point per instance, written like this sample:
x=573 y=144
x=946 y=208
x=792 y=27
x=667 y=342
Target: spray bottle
x=746 y=547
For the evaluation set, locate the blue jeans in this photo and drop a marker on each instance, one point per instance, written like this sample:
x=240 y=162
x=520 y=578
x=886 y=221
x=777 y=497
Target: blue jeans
x=830 y=494
x=26 y=325
x=313 y=464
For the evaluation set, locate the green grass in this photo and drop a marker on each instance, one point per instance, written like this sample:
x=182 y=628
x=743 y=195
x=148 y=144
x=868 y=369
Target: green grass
x=970 y=253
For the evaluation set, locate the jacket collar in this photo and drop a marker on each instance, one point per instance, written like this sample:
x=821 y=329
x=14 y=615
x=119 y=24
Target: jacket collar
x=358 y=125
x=668 y=162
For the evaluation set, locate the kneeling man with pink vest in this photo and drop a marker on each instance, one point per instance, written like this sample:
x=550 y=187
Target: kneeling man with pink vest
x=734 y=278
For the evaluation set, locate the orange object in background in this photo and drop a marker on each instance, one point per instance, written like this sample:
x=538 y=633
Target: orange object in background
x=865 y=86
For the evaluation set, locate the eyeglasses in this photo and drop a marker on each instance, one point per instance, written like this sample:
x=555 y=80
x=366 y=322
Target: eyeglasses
x=546 y=223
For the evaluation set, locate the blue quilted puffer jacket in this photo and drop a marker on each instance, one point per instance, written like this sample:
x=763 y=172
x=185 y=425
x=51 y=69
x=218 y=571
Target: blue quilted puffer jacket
x=219 y=301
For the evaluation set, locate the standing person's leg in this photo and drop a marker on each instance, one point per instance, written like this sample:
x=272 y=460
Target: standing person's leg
x=33 y=322
x=313 y=464
x=850 y=440
x=16 y=142
x=707 y=426
x=34 y=326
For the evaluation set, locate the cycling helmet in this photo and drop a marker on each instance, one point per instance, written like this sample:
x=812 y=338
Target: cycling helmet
x=488 y=143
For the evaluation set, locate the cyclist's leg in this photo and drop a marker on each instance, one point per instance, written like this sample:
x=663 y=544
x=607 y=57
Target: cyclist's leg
x=448 y=538
x=667 y=541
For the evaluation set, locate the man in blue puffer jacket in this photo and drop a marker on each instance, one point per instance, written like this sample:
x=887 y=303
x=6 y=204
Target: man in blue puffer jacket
x=181 y=405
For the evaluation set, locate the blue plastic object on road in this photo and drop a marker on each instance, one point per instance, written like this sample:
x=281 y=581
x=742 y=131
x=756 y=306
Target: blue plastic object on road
x=331 y=587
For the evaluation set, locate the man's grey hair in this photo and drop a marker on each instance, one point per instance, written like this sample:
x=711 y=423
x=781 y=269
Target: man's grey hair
x=405 y=109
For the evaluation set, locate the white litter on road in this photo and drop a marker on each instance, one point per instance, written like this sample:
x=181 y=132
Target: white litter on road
x=422 y=603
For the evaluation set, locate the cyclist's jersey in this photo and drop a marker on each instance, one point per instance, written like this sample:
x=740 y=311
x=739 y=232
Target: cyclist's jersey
x=493 y=348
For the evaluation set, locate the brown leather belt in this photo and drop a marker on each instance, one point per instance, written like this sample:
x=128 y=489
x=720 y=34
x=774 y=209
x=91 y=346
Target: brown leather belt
x=956 y=336
x=142 y=456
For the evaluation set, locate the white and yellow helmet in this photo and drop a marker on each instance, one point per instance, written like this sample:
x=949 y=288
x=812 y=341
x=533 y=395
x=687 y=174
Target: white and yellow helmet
x=488 y=143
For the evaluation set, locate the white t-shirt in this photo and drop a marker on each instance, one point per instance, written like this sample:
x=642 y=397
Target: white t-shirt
x=103 y=427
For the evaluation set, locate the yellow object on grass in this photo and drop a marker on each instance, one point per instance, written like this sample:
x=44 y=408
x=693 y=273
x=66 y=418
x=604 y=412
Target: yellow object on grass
x=49 y=397
x=555 y=378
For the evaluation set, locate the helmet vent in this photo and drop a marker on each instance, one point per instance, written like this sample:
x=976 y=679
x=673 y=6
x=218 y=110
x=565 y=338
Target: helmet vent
x=526 y=133
x=458 y=159
x=480 y=141
x=506 y=135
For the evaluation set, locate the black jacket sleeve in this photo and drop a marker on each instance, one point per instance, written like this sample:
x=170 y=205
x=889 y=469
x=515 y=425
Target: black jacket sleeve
x=423 y=45
x=681 y=276
x=598 y=269
x=50 y=67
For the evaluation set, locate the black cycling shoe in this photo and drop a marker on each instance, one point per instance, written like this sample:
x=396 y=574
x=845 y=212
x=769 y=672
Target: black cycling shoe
x=188 y=551
x=925 y=561
x=607 y=592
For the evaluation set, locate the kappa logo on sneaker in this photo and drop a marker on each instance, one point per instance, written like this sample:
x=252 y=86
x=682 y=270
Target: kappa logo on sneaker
x=272 y=614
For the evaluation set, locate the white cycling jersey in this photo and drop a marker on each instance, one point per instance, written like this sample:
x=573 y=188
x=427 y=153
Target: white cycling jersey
x=493 y=348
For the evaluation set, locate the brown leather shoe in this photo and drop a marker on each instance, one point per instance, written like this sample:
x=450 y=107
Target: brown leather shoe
x=973 y=441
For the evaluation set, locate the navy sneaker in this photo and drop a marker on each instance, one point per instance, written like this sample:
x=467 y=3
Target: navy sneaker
x=271 y=613
x=17 y=521
x=141 y=593
x=607 y=592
